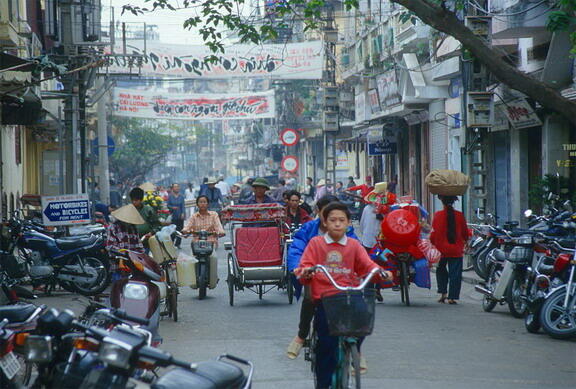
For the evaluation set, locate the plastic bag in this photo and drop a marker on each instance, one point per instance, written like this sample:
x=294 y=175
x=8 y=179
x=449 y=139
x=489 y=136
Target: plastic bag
x=165 y=234
x=429 y=250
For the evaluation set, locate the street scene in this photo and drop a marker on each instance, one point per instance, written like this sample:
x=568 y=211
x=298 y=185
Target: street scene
x=322 y=194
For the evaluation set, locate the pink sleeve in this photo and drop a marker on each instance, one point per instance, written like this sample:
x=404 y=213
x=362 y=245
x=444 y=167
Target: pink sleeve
x=362 y=263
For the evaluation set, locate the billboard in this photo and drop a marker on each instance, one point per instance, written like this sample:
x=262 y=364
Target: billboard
x=162 y=105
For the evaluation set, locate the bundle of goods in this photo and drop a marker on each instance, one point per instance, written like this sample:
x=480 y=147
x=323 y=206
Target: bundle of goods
x=447 y=182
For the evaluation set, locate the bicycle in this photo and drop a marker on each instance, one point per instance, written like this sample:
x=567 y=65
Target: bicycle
x=350 y=316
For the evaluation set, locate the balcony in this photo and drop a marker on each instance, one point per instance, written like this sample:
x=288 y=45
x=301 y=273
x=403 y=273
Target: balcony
x=408 y=35
x=8 y=34
x=527 y=19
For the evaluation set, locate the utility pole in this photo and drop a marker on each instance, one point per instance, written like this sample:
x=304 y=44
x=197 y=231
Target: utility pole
x=103 y=164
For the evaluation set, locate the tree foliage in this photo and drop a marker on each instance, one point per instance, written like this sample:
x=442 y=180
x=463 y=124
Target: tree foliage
x=138 y=149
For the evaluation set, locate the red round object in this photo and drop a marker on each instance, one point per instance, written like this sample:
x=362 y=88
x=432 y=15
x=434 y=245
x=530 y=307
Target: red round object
x=401 y=227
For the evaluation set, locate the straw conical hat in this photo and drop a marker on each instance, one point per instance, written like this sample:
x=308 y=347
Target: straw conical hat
x=128 y=214
x=148 y=187
x=379 y=188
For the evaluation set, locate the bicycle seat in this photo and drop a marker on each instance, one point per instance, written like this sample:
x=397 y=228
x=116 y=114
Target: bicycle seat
x=208 y=375
x=16 y=313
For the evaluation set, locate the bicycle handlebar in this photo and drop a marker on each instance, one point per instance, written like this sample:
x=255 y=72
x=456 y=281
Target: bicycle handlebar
x=362 y=285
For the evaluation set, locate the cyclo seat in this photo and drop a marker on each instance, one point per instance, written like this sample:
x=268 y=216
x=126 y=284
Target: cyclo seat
x=16 y=313
x=69 y=244
x=499 y=255
x=208 y=375
x=258 y=246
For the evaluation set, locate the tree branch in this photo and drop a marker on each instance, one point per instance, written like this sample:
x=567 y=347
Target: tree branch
x=447 y=22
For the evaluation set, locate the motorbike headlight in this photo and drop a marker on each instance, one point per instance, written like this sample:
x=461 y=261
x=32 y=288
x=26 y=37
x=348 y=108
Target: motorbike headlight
x=135 y=291
x=38 y=348
x=115 y=354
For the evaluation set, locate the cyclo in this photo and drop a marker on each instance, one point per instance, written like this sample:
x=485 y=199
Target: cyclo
x=257 y=250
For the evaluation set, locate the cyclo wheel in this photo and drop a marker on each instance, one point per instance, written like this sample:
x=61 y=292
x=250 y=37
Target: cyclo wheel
x=405 y=282
x=230 y=281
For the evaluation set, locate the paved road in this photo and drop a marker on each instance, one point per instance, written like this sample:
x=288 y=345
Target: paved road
x=427 y=345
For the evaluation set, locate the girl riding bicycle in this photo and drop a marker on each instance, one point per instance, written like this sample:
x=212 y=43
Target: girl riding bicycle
x=347 y=261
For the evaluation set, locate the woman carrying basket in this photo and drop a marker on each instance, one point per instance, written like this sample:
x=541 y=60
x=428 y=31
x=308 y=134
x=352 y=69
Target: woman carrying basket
x=346 y=260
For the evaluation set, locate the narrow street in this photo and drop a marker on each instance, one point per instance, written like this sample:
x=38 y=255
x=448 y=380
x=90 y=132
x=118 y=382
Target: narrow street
x=426 y=345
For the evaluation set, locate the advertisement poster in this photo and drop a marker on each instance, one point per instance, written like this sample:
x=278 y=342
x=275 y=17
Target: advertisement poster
x=160 y=105
x=299 y=61
x=387 y=85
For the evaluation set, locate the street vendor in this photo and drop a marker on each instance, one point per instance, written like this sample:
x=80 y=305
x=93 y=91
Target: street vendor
x=259 y=187
x=122 y=233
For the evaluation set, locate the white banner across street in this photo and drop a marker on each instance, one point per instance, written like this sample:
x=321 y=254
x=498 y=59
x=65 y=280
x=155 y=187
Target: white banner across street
x=162 y=105
x=302 y=61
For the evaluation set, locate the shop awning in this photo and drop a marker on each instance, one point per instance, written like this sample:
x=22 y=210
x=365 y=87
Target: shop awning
x=21 y=110
x=9 y=62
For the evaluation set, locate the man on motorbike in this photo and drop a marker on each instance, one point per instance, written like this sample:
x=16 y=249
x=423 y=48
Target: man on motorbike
x=215 y=198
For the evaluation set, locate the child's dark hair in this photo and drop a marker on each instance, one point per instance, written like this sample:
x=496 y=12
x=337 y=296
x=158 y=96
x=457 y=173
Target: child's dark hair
x=202 y=197
x=448 y=202
x=336 y=206
x=291 y=193
x=137 y=194
x=325 y=200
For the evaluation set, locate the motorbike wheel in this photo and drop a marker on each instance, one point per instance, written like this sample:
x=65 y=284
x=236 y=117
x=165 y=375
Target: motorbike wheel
x=173 y=301
x=488 y=303
x=532 y=322
x=405 y=283
x=201 y=281
x=480 y=263
x=556 y=321
x=516 y=303
x=103 y=280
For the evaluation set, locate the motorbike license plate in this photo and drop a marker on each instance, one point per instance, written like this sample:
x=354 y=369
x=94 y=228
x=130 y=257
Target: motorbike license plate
x=10 y=365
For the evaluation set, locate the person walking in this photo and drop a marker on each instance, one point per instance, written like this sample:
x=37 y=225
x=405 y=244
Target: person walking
x=245 y=191
x=309 y=191
x=224 y=188
x=351 y=182
x=215 y=198
x=177 y=209
x=449 y=234
x=278 y=193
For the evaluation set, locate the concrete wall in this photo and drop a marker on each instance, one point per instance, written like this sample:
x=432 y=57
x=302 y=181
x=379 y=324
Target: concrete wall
x=555 y=133
x=12 y=173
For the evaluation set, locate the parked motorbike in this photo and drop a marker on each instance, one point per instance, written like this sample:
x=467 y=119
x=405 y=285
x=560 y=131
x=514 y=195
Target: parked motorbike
x=99 y=358
x=206 y=267
x=558 y=313
x=77 y=264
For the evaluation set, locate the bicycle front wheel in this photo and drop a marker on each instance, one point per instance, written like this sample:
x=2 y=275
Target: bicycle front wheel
x=356 y=364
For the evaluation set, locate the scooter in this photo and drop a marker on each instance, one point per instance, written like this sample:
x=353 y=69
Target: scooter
x=141 y=292
x=207 y=265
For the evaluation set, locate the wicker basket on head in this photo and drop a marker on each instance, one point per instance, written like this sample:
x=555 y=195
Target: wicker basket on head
x=447 y=182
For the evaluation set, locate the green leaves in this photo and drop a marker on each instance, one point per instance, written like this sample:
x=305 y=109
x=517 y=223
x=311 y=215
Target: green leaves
x=559 y=21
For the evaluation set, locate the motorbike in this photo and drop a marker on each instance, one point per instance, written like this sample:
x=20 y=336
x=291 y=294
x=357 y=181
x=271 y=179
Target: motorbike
x=206 y=267
x=79 y=265
x=558 y=312
x=94 y=357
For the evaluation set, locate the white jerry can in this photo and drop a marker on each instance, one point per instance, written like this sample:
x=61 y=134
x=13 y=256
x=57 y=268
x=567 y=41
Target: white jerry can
x=186 y=269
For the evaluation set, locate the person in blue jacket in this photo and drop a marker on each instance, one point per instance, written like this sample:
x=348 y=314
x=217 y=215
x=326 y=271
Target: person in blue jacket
x=299 y=242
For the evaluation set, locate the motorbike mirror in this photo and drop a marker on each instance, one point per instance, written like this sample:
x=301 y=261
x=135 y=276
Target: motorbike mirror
x=478 y=214
x=527 y=213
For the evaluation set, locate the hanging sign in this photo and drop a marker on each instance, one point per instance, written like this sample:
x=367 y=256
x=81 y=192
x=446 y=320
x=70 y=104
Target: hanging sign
x=520 y=114
x=162 y=105
x=65 y=209
x=380 y=143
x=289 y=137
x=290 y=163
x=297 y=61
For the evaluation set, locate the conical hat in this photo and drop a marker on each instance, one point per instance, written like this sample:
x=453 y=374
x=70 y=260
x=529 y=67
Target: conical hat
x=148 y=187
x=128 y=214
x=379 y=188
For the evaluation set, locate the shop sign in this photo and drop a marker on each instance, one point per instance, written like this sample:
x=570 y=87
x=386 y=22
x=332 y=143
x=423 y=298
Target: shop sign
x=374 y=101
x=290 y=163
x=65 y=209
x=388 y=90
x=381 y=143
x=520 y=114
x=341 y=160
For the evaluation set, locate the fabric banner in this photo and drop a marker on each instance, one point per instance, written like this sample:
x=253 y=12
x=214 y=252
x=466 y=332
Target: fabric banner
x=161 y=105
x=302 y=61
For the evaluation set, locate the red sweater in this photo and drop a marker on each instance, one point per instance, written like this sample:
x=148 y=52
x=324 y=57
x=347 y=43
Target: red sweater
x=439 y=230
x=346 y=264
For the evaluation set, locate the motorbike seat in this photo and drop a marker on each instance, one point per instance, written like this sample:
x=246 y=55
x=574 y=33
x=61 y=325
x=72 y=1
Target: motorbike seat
x=70 y=244
x=208 y=375
x=16 y=313
x=499 y=255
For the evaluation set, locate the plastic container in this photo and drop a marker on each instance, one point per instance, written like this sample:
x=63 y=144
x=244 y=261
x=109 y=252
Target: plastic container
x=186 y=270
x=401 y=228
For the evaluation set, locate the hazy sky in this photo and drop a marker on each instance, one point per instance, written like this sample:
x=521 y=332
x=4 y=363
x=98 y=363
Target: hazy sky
x=169 y=22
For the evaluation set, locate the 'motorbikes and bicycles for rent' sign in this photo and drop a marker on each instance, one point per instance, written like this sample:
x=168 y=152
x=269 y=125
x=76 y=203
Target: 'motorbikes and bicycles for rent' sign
x=65 y=209
x=155 y=105
x=301 y=61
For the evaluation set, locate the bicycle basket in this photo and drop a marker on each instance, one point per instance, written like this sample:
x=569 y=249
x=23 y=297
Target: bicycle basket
x=350 y=313
x=12 y=266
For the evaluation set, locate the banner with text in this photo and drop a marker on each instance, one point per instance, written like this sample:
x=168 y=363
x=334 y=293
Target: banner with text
x=161 y=105
x=303 y=61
